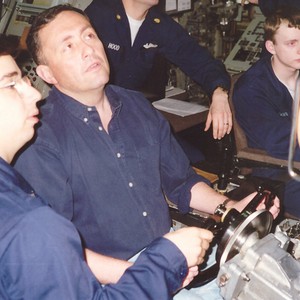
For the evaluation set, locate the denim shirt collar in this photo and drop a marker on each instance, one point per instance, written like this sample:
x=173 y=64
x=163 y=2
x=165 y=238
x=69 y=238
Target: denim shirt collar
x=80 y=110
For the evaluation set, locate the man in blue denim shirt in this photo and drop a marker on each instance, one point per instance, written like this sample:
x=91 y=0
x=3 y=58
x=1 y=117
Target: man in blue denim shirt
x=41 y=255
x=104 y=157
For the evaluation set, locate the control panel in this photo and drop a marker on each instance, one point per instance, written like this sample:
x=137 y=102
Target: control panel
x=248 y=48
x=23 y=15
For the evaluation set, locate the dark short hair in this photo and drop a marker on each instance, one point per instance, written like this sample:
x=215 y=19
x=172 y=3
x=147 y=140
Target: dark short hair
x=286 y=14
x=9 y=45
x=41 y=20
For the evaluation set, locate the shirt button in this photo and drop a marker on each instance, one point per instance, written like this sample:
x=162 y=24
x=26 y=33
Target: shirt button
x=118 y=155
x=145 y=214
x=89 y=109
x=100 y=128
x=130 y=184
x=85 y=120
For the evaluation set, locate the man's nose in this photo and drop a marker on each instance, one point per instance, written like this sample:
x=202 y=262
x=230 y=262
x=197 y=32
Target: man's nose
x=33 y=94
x=87 y=50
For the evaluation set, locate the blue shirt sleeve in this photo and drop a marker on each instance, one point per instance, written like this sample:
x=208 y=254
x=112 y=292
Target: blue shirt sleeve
x=44 y=260
x=177 y=175
x=161 y=266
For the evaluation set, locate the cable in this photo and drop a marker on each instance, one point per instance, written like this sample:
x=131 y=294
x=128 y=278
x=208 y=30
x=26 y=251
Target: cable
x=293 y=137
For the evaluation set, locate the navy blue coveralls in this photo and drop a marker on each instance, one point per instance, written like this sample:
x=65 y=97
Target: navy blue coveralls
x=159 y=36
x=263 y=107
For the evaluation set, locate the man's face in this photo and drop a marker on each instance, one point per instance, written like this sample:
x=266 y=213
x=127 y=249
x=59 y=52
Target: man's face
x=73 y=54
x=287 y=46
x=18 y=111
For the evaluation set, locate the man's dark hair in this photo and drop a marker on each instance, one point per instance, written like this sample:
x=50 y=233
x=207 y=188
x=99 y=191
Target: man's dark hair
x=41 y=20
x=286 y=14
x=9 y=45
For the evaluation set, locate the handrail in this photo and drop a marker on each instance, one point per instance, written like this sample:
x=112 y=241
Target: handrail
x=293 y=137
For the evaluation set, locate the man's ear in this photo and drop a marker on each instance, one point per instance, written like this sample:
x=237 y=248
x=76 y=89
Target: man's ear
x=270 y=46
x=46 y=74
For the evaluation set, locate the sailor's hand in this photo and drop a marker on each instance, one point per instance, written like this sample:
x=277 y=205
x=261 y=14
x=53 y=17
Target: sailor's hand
x=193 y=242
x=219 y=114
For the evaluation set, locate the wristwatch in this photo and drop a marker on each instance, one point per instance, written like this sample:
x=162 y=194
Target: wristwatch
x=221 y=208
